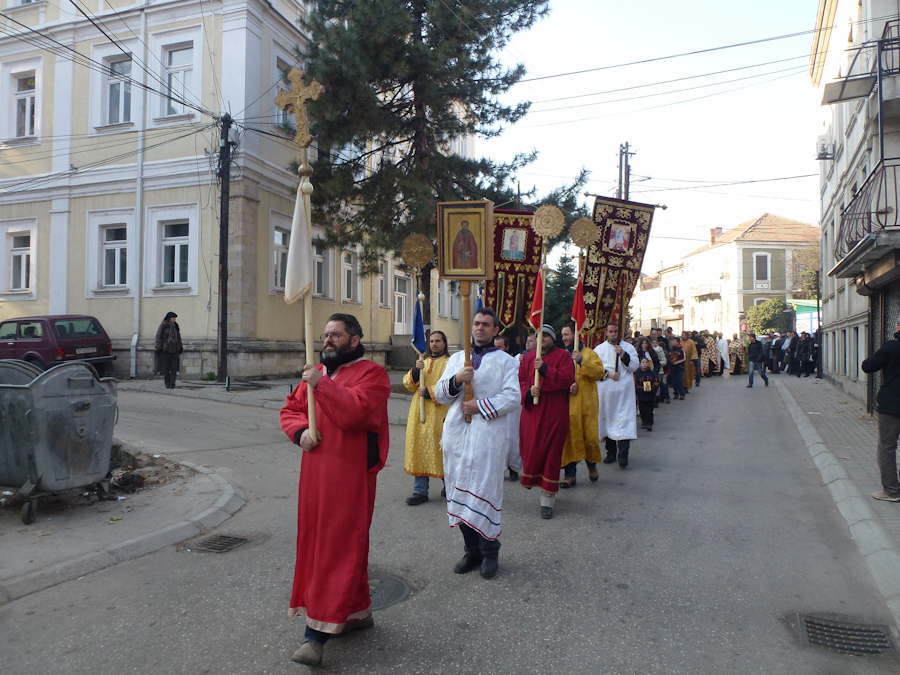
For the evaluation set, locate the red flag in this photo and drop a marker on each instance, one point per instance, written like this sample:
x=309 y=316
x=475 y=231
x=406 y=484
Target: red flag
x=579 y=314
x=537 y=305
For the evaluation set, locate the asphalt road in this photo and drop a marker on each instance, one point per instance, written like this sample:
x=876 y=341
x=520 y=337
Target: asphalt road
x=693 y=560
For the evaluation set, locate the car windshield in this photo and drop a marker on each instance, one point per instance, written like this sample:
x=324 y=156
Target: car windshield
x=77 y=328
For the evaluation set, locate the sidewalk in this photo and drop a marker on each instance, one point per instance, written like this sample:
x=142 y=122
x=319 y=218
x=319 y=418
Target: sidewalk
x=841 y=440
x=272 y=395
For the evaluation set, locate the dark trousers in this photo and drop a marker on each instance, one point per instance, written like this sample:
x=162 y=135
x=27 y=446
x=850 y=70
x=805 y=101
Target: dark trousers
x=476 y=544
x=736 y=366
x=676 y=376
x=168 y=364
x=888 y=431
x=807 y=367
x=570 y=470
x=617 y=449
x=663 y=387
x=793 y=365
x=646 y=408
x=698 y=371
x=777 y=356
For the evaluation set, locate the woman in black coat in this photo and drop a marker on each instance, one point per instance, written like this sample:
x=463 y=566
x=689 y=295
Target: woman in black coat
x=168 y=348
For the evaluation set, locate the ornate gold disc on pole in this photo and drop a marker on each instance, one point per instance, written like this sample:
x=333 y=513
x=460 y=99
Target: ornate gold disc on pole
x=417 y=251
x=548 y=222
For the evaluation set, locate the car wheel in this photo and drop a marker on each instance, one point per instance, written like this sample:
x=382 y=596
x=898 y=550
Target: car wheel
x=101 y=369
x=35 y=362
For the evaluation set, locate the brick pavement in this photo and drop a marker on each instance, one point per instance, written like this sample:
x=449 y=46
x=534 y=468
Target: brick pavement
x=850 y=433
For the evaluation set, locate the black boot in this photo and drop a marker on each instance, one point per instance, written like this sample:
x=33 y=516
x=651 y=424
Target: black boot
x=611 y=451
x=489 y=565
x=469 y=562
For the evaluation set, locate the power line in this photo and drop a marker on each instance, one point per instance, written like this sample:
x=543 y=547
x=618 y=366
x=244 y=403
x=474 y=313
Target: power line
x=728 y=184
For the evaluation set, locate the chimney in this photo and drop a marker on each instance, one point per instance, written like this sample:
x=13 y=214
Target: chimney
x=713 y=233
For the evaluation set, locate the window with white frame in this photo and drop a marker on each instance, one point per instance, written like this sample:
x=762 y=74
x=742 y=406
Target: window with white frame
x=761 y=266
x=453 y=292
x=118 y=91
x=179 y=74
x=19 y=262
x=321 y=270
x=175 y=252
x=18 y=248
x=401 y=299
x=442 y=297
x=283 y=118
x=25 y=96
x=384 y=283
x=280 y=254
x=114 y=257
x=759 y=301
x=350 y=276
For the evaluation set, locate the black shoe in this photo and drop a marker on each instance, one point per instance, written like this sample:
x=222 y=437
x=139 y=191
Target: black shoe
x=767 y=382
x=609 y=459
x=668 y=401
x=513 y=475
x=546 y=512
x=749 y=386
x=417 y=499
x=468 y=563
x=643 y=426
x=443 y=492
x=489 y=567
x=623 y=463
x=649 y=428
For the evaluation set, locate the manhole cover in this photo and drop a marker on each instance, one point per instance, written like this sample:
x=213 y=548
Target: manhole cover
x=386 y=590
x=856 y=639
x=221 y=543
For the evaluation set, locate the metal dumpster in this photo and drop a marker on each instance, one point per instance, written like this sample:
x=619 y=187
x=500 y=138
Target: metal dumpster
x=55 y=429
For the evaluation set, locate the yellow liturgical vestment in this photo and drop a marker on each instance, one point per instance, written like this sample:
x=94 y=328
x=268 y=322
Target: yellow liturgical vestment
x=423 y=441
x=583 y=441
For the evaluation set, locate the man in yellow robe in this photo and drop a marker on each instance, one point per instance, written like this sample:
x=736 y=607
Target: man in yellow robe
x=691 y=360
x=424 y=459
x=583 y=441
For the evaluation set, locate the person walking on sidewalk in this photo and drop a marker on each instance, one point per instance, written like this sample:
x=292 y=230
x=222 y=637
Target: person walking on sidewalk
x=676 y=368
x=646 y=384
x=423 y=439
x=756 y=359
x=887 y=359
x=168 y=348
x=617 y=420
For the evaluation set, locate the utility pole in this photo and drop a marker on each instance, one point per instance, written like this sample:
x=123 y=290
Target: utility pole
x=624 y=172
x=225 y=175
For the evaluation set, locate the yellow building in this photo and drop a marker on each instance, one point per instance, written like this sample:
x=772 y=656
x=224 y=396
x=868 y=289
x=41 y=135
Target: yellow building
x=108 y=186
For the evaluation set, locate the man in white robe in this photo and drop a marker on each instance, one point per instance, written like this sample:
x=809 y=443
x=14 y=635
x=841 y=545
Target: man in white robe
x=618 y=409
x=476 y=454
x=722 y=348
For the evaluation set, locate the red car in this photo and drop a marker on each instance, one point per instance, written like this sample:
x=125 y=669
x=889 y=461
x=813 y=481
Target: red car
x=47 y=341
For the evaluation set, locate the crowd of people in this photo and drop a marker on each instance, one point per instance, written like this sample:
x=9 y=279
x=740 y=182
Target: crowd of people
x=535 y=414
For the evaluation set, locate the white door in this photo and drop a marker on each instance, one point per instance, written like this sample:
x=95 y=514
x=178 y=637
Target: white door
x=402 y=305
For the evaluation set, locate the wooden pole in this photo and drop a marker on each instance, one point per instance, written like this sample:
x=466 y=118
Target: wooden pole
x=420 y=296
x=306 y=189
x=465 y=290
x=539 y=338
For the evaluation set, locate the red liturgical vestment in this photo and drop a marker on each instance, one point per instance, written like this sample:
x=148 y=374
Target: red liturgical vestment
x=331 y=584
x=543 y=427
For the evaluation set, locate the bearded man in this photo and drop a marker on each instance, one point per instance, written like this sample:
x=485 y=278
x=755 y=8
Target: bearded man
x=331 y=583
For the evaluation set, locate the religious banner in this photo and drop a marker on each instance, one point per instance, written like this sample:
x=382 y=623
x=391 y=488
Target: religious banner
x=614 y=260
x=517 y=259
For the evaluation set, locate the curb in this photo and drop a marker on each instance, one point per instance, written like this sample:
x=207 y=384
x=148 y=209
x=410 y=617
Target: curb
x=875 y=544
x=230 y=500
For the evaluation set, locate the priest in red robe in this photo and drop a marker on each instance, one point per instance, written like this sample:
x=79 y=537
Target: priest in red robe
x=331 y=585
x=543 y=428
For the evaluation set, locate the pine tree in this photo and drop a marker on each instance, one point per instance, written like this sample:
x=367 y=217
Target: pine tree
x=405 y=81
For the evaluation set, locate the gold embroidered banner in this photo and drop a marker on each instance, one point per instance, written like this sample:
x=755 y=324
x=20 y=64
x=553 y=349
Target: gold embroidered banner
x=517 y=258
x=614 y=262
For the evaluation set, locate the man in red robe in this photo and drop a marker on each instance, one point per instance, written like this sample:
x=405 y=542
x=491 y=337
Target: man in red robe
x=543 y=428
x=331 y=585
x=465 y=249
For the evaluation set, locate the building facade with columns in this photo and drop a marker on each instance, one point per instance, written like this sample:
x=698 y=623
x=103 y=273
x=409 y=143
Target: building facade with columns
x=109 y=199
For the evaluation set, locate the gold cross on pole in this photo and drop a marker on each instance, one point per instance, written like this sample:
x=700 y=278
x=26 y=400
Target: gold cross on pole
x=294 y=101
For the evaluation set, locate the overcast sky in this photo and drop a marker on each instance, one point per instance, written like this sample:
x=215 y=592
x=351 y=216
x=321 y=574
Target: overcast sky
x=756 y=123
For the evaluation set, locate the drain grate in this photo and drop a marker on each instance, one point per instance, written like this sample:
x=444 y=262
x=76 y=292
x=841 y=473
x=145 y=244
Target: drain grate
x=221 y=543
x=856 y=639
x=386 y=590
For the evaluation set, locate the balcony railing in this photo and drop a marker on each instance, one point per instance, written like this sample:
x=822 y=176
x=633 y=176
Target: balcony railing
x=706 y=290
x=874 y=207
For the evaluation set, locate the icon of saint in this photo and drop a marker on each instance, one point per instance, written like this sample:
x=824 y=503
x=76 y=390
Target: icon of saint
x=465 y=249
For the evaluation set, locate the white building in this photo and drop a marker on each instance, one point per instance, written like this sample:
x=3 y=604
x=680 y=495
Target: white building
x=859 y=147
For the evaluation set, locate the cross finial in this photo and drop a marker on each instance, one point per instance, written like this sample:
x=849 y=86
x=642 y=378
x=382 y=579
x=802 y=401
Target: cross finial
x=294 y=101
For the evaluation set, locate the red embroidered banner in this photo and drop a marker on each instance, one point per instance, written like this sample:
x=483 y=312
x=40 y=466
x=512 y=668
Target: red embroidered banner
x=614 y=261
x=517 y=260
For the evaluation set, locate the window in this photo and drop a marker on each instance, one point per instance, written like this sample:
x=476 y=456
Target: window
x=115 y=255
x=401 y=296
x=282 y=242
x=20 y=263
x=321 y=270
x=25 y=103
x=175 y=248
x=179 y=72
x=442 y=297
x=453 y=292
x=383 y=284
x=760 y=301
x=350 y=276
x=283 y=118
x=760 y=266
x=31 y=330
x=8 y=331
x=118 y=92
